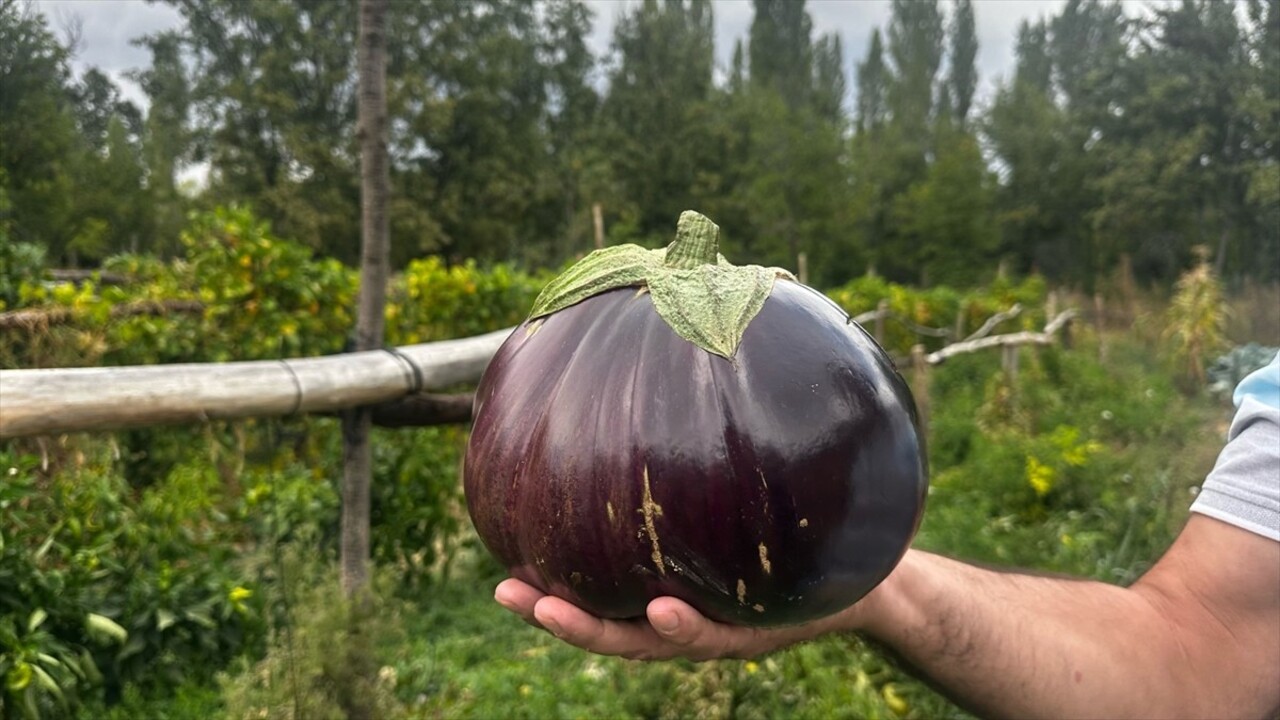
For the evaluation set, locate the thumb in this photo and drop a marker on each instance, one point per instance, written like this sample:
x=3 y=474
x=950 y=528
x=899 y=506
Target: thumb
x=680 y=624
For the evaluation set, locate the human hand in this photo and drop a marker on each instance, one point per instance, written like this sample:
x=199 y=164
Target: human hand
x=671 y=629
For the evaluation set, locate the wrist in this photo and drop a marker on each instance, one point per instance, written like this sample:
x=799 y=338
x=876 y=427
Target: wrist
x=886 y=606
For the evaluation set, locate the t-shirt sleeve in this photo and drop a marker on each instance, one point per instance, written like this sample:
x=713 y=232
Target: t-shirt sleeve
x=1243 y=488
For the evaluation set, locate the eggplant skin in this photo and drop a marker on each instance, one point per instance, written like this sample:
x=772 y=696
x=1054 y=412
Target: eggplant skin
x=612 y=462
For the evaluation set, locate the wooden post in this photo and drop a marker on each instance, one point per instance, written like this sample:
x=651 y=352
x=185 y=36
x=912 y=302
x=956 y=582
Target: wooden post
x=1099 y=318
x=802 y=268
x=958 y=333
x=920 y=389
x=882 y=309
x=597 y=220
x=375 y=248
x=1009 y=362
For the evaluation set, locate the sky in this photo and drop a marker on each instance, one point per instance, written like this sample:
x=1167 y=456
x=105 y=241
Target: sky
x=108 y=27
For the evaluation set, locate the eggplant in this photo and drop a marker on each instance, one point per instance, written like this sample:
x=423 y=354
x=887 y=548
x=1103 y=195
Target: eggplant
x=686 y=427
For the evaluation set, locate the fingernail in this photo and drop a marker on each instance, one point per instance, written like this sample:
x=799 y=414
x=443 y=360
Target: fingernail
x=553 y=627
x=667 y=622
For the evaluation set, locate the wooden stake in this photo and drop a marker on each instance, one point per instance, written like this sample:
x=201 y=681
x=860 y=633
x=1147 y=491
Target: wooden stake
x=375 y=247
x=920 y=389
x=802 y=268
x=597 y=219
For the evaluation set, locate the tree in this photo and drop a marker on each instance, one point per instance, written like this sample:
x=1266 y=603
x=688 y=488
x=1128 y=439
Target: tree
x=168 y=137
x=946 y=219
x=38 y=136
x=657 y=114
x=828 y=79
x=275 y=104
x=571 y=118
x=963 y=77
x=873 y=83
x=1174 y=159
x=1039 y=194
x=469 y=94
x=781 y=50
x=915 y=47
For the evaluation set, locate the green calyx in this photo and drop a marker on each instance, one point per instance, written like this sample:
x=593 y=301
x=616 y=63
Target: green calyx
x=705 y=299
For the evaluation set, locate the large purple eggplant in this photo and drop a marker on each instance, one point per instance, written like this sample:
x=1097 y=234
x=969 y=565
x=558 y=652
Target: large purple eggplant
x=670 y=424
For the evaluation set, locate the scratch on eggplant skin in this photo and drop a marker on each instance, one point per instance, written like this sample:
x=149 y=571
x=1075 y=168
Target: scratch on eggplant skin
x=643 y=290
x=804 y=522
x=763 y=482
x=608 y=507
x=533 y=328
x=650 y=509
x=742 y=592
x=698 y=573
x=758 y=608
x=764 y=560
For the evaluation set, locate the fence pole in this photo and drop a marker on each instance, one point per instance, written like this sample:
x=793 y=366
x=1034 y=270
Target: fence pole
x=882 y=309
x=920 y=381
x=597 y=220
x=802 y=267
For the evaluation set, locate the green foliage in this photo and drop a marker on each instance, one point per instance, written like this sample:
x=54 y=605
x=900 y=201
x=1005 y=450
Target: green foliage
x=941 y=308
x=173 y=533
x=321 y=657
x=430 y=301
x=1070 y=468
x=20 y=264
x=97 y=589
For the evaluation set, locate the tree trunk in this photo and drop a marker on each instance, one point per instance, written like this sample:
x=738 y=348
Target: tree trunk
x=375 y=247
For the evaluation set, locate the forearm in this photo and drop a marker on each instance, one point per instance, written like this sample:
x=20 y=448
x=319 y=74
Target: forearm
x=1011 y=645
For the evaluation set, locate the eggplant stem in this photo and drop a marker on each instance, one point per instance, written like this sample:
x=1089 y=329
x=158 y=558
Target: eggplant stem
x=697 y=242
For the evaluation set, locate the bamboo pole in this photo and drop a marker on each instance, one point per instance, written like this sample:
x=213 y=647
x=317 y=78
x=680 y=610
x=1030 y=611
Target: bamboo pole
x=38 y=402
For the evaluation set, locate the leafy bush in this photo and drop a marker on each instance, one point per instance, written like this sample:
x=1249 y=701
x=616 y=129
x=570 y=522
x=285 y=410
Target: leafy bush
x=172 y=533
x=940 y=308
x=20 y=264
x=97 y=590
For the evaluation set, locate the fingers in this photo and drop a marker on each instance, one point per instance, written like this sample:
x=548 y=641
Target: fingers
x=672 y=628
x=518 y=597
x=698 y=638
x=629 y=639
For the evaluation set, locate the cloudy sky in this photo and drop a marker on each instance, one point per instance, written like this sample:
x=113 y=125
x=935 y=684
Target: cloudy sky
x=108 y=26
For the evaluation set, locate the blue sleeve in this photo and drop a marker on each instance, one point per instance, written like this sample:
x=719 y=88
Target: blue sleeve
x=1244 y=487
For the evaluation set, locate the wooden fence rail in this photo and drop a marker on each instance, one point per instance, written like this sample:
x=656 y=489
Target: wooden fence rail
x=36 y=402
x=39 y=402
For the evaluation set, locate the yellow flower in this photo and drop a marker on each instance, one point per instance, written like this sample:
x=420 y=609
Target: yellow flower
x=752 y=668
x=525 y=690
x=894 y=700
x=237 y=596
x=1039 y=476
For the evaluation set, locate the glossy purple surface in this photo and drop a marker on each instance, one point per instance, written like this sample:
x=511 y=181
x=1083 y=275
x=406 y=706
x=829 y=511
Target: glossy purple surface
x=612 y=461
